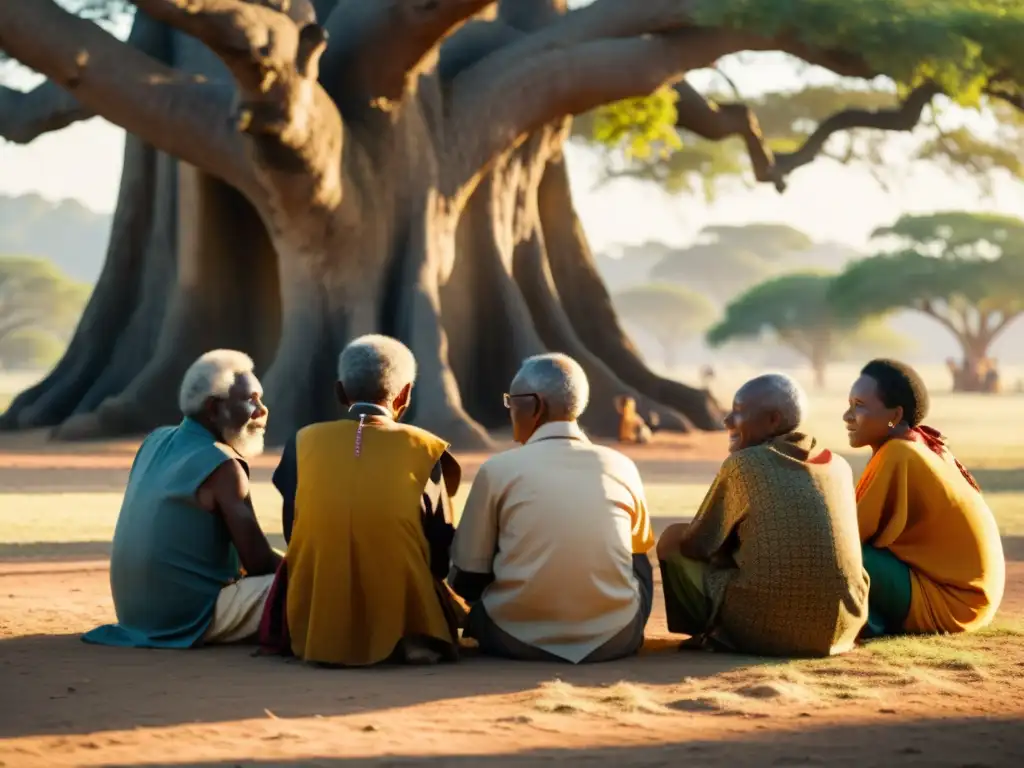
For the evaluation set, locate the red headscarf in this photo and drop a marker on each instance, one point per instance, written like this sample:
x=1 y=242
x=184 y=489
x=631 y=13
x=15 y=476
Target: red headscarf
x=937 y=443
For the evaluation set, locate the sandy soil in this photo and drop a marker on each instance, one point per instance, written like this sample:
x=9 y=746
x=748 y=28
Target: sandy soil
x=62 y=702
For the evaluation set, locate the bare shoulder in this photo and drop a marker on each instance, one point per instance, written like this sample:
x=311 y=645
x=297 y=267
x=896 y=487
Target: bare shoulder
x=228 y=482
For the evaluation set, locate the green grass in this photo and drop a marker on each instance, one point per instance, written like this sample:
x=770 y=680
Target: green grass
x=976 y=425
x=76 y=517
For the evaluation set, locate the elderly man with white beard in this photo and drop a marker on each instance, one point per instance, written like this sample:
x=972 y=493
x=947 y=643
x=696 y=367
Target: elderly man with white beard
x=190 y=564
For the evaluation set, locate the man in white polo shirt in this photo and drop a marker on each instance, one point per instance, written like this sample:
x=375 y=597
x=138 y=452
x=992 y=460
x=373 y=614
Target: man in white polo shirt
x=551 y=550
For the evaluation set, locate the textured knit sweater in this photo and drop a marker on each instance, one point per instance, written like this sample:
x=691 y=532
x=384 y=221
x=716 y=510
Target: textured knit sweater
x=778 y=529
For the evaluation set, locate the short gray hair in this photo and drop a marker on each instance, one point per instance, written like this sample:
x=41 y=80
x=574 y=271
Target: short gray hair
x=374 y=369
x=781 y=393
x=212 y=375
x=559 y=380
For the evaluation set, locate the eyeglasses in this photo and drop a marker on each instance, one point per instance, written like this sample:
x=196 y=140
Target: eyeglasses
x=509 y=398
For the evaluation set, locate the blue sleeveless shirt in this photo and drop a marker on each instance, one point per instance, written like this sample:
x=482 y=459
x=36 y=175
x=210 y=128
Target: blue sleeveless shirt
x=170 y=557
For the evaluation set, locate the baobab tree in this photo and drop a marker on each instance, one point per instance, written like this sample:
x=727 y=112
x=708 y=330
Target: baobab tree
x=300 y=173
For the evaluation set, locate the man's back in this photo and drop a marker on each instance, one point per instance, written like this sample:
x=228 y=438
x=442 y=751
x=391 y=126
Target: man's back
x=569 y=517
x=170 y=557
x=791 y=578
x=359 y=576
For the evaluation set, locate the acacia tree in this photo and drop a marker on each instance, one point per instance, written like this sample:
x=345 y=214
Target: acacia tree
x=795 y=310
x=407 y=177
x=964 y=270
x=671 y=314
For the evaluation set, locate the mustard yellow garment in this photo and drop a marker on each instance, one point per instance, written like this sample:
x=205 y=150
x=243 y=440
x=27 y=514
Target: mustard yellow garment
x=359 y=575
x=918 y=505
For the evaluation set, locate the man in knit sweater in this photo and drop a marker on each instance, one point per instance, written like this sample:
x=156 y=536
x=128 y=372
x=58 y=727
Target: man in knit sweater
x=771 y=564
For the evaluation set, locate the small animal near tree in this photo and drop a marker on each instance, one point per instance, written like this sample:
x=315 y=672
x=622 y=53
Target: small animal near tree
x=671 y=314
x=794 y=310
x=299 y=173
x=964 y=270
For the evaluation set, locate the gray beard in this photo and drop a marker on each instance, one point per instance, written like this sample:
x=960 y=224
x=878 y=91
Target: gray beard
x=247 y=442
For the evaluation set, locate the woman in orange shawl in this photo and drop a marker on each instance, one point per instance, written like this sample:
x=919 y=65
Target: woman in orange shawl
x=930 y=542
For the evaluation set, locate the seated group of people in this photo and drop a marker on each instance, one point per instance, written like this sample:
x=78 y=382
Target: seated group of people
x=551 y=557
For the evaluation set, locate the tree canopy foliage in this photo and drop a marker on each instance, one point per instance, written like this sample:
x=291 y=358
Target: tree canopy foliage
x=962 y=49
x=965 y=270
x=35 y=299
x=795 y=310
x=671 y=314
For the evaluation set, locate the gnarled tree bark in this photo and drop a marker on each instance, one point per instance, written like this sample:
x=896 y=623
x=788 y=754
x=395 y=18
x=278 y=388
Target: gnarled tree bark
x=283 y=193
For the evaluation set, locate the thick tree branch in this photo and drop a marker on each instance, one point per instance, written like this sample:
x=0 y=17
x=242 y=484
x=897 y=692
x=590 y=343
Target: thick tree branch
x=25 y=116
x=1004 y=321
x=904 y=117
x=294 y=127
x=183 y=116
x=720 y=121
x=557 y=71
x=928 y=308
x=560 y=81
x=379 y=48
x=1005 y=90
x=600 y=20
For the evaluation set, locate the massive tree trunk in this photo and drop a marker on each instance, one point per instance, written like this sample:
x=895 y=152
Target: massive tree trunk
x=589 y=306
x=972 y=375
x=354 y=200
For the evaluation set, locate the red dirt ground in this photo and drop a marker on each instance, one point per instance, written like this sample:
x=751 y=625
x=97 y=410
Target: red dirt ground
x=65 y=703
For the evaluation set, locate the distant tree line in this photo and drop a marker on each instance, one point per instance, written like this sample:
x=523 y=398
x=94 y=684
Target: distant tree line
x=39 y=307
x=964 y=270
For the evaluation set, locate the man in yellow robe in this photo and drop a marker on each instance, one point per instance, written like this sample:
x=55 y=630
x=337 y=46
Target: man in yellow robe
x=931 y=544
x=367 y=516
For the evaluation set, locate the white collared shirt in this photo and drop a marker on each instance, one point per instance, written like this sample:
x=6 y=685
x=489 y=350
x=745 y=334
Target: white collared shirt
x=557 y=522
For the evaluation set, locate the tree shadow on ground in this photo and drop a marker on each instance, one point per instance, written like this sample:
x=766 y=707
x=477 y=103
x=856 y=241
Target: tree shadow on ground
x=958 y=742
x=66 y=686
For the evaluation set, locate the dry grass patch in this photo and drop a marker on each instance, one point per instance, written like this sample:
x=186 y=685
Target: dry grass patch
x=558 y=697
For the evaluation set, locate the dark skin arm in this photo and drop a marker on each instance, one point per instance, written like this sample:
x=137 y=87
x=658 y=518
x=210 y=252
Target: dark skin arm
x=226 y=493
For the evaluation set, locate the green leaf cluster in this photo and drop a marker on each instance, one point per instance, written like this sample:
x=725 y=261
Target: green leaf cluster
x=643 y=127
x=958 y=43
x=789 y=307
x=962 y=44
